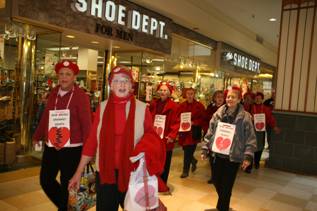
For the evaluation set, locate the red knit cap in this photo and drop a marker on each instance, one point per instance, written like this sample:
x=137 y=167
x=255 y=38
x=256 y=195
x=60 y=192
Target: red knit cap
x=235 y=88
x=169 y=86
x=120 y=69
x=259 y=94
x=67 y=64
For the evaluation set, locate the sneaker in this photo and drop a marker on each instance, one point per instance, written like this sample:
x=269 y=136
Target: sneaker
x=210 y=181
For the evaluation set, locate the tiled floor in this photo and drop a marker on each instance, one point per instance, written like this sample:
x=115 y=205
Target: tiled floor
x=265 y=189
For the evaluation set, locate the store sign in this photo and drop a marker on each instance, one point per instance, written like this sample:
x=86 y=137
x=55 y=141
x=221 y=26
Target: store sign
x=242 y=61
x=112 y=12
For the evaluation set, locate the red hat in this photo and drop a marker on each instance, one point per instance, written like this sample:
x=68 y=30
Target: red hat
x=236 y=88
x=67 y=64
x=120 y=69
x=169 y=86
x=259 y=94
x=249 y=93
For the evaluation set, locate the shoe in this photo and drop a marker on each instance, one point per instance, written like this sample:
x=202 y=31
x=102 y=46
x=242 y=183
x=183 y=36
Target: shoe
x=257 y=166
x=248 y=171
x=184 y=175
x=194 y=165
x=210 y=181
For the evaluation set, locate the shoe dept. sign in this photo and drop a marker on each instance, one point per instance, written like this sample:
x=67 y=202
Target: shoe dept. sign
x=120 y=14
x=241 y=61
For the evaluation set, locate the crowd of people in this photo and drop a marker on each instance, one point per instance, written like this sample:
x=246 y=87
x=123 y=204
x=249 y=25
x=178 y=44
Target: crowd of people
x=231 y=131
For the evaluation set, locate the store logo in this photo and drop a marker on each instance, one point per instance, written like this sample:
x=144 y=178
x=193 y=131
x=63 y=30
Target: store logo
x=118 y=14
x=242 y=61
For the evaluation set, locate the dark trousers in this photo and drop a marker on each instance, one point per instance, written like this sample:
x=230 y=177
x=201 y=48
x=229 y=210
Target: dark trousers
x=108 y=196
x=211 y=162
x=269 y=136
x=224 y=175
x=66 y=161
x=257 y=157
x=189 y=151
x=167 y=166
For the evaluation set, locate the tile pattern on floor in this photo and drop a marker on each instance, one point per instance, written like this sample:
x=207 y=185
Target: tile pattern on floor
x=263 y=190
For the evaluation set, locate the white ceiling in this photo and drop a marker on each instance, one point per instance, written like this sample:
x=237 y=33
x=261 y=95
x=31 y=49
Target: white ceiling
x=246 y=18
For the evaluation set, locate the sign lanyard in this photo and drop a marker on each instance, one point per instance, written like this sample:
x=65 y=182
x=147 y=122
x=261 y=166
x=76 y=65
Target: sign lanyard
x=254 y=111
x=71 y=96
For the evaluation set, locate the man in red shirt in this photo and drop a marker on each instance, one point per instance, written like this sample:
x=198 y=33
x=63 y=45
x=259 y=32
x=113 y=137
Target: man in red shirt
x=64 y=126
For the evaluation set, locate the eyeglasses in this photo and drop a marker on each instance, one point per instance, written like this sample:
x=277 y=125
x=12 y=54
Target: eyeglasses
x=119 y=81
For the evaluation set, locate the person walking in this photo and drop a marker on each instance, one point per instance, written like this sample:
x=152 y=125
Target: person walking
x=64 y=126
x=231 y=137
x=191 y=112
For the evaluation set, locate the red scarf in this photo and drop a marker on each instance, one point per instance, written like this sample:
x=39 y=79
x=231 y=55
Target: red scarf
x=107 y=145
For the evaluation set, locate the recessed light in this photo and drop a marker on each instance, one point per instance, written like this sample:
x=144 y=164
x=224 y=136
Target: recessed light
x=272 y=19
x=95 y=42
x=115 y=46
x=70 y=36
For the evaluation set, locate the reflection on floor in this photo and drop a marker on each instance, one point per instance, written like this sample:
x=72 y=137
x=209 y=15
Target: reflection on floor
x=264 y=189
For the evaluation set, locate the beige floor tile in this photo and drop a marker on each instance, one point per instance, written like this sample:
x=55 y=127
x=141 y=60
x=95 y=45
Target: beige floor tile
x=27 y=200
x=279 y=206
x=296 y=192
x=289 y=199
x=40 y=207
x=314 y=198
x=311 y=206
x=7 y=207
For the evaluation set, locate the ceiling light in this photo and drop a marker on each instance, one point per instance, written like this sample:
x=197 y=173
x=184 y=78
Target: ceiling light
x=94 y=42
x=272 y=19
x=70 y=36
x=115 y=46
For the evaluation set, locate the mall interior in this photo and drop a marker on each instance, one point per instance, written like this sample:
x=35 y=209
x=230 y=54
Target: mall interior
x=261 y=46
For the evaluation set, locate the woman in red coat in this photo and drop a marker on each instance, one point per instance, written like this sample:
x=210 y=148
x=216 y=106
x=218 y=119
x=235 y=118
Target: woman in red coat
x=188 y=138
x=164 y=111
x=259 y=108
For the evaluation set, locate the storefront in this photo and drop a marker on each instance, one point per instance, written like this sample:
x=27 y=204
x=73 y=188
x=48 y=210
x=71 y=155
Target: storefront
x=242 y=69
x=97 y=36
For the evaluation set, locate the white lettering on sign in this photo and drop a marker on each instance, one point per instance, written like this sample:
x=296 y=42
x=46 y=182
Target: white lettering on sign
x=243 y=62
x=118 y=14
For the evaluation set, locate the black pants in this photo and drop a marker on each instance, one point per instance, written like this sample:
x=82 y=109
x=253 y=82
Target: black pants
x=257 y=157
x=189 y=151
x=224 y=175
x=167 y=166
x=108 y=196
x=66 y=161
x=211 y=162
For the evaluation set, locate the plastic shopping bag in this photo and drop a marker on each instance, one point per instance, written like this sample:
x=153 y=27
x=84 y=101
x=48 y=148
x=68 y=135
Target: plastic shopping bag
x=142 y=192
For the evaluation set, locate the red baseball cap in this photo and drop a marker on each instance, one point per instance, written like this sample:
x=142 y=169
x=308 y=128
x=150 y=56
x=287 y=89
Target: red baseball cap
x=120 y=69
x=67 y=64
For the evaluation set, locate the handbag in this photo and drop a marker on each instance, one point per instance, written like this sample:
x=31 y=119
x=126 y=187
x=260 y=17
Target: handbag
x=85 y=197
x=142 y=194
x=196 y=132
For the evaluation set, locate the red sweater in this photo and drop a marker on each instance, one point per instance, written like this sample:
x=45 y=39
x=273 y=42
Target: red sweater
x=90 y=146
x=80 y=115
x=172 y=121
x=197 y=117
x=269 y=118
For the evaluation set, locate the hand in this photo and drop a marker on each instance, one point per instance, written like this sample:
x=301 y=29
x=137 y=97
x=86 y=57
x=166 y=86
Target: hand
x=74 y=182
x=203 y=156
x=169 y=140
x=245 y=164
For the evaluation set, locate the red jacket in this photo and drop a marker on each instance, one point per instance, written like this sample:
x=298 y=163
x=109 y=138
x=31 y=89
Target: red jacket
x=269 y=118
x=171 y=122
x=197 y=117
x=80 y=115
x=211 y=109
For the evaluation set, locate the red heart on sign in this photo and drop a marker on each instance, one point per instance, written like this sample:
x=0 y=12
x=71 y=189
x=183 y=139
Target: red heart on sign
x=58 y=136
x=158 y=130
x=185 y=125
x=140 y=196
x=222 y=143
x=259 y=125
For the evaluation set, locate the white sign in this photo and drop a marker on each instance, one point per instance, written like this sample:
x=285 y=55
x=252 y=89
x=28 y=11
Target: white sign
x=223 y=138
x=117 y=13
x=259 y=122
x=186 y=122
x=159 y=125
x=148 y=93
x=59 y=128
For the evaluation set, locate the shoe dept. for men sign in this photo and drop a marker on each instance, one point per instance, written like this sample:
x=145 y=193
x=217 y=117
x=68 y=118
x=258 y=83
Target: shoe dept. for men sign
x=117 y=19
